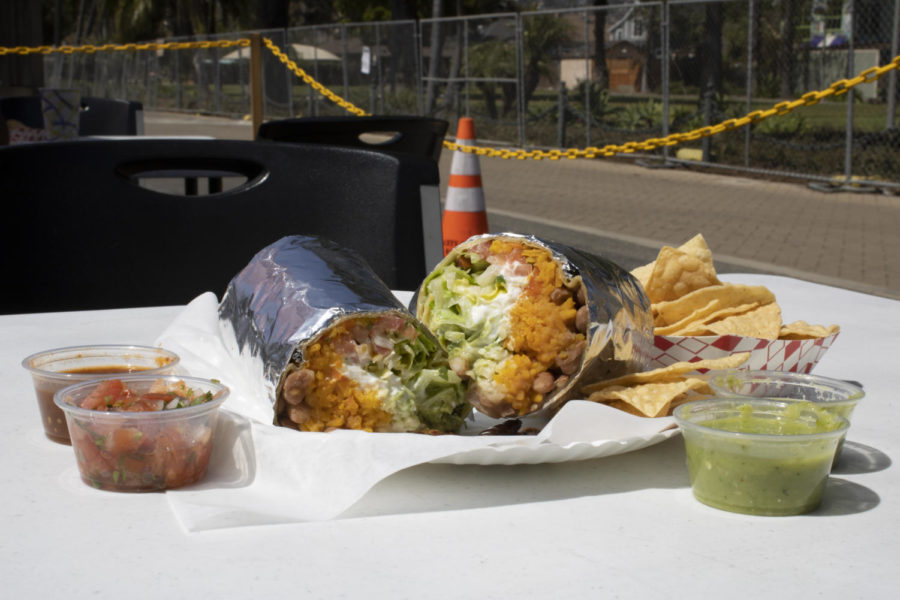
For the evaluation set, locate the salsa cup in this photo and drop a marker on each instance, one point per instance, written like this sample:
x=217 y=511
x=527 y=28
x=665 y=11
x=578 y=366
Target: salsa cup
x=53 y=370
x=142 y=451
x=835 y=395
x=759 y=456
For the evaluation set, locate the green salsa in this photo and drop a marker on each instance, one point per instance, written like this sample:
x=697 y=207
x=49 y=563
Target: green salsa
x=766 y=474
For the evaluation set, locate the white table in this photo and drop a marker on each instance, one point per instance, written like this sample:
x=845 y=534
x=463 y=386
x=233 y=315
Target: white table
x=624 y=526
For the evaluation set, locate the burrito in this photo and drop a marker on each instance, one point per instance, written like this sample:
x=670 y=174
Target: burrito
x=336 y=347
x=525 y=320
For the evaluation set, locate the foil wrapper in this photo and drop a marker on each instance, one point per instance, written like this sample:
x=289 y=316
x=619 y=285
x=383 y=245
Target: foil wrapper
x=291 y=292
x=619 y=335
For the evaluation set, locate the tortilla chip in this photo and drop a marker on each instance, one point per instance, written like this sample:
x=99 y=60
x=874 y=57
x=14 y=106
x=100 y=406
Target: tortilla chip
x=698 y=316
x=696 y=246
x=728 y=294
x=678 y=273
x=763 y=323
x=648 y=399
x=699 y=326
x=642 y=274
x=671 y=372
x=801 y=330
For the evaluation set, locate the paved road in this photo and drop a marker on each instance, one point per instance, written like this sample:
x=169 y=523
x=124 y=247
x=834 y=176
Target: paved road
x=626 y=212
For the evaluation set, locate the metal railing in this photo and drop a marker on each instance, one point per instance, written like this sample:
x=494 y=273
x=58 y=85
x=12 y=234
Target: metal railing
x=539 y=79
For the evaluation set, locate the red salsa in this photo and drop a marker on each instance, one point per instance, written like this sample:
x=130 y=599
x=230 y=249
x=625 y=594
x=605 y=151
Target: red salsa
x=142 y=453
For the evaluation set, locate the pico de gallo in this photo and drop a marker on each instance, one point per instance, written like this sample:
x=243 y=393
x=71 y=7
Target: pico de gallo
x=120 y=447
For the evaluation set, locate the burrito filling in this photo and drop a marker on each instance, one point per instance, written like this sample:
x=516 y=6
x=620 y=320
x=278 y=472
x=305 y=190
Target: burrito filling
x=510 y=320
x=374 y=373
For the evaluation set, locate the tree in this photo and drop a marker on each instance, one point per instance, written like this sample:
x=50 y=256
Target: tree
x=786 y=49
x=436 y=47
x=20 y=25
x=600 y=68
x=492 y=58
x=711 y=78
x=544 y=35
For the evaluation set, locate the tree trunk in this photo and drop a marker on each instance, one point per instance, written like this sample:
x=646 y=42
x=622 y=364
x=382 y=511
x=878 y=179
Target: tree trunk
x=601 y=70
x=402 y=62
x=20 y=25
x=436 y=47
x=786 y=49
x=490 y=99
x=454 y=87
x=273 y=14
x=711 y=78
x=756 y=40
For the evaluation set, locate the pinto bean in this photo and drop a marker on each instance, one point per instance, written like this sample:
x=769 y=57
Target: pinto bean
x=296 y=385
x=582 y=319
x=561 y=382
x=569 y=360
x=559 y=295
x=543 y=383
x=581 y=295
x=299 y=414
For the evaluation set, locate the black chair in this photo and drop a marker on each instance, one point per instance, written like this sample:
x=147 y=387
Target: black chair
x=414 y=135
x=24 y=109
x=99 y=116
x=102 y=116
x=81 y=234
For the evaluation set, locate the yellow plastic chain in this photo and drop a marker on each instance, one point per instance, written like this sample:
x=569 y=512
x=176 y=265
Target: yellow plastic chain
x=299 y=72
x=782 y=108
x=90 y=49
x=837 y=88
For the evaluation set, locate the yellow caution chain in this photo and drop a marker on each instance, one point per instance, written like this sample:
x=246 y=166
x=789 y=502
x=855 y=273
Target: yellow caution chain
x=299 y=72
x=91 y=49
x=837 y=88
x=782 y=108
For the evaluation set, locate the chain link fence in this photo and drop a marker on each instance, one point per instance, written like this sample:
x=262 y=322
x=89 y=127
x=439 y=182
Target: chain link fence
x=573 y=78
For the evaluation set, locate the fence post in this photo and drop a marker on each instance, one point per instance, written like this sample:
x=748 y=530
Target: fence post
x=665 y=57
x=751 y=26
x=561 y=116
x=256 y=88
x=179 y=101
x=520 y=78
x=892 y=76
x=344 y=56
x=851 y=67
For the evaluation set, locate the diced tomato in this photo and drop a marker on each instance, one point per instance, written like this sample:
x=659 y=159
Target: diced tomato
x=344 y=346
x=125 y=439
x=150 y=401
x=107 y=393
x=154 y=455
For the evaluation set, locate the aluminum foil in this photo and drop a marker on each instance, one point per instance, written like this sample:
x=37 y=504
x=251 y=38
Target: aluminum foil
x=620 y=330
x=292 y=291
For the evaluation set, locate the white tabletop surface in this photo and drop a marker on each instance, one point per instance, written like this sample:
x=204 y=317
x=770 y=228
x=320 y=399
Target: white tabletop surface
x=624 y=526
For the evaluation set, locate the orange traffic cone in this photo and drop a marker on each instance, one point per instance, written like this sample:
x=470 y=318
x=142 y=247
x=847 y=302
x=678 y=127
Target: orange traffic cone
x=464 y=210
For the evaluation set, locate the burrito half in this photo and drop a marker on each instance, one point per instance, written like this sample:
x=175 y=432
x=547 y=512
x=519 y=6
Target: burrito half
x=523 y=318
x=333 y=345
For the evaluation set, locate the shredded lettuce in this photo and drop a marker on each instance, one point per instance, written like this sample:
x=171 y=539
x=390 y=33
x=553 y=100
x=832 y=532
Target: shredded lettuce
x=420 y=388
x=468 y=309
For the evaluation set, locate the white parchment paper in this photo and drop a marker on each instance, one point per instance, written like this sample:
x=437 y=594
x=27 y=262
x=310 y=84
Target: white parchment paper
x=261 y=474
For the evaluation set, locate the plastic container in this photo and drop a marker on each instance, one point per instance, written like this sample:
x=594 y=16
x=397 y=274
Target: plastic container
x=142 y=451
x=759 y=456
x=52 y=370
x=835 y=395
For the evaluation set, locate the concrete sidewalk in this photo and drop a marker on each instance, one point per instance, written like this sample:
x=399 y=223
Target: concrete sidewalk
x=626 y=212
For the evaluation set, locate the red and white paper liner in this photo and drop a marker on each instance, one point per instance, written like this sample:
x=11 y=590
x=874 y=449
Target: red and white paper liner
x=795 y=356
